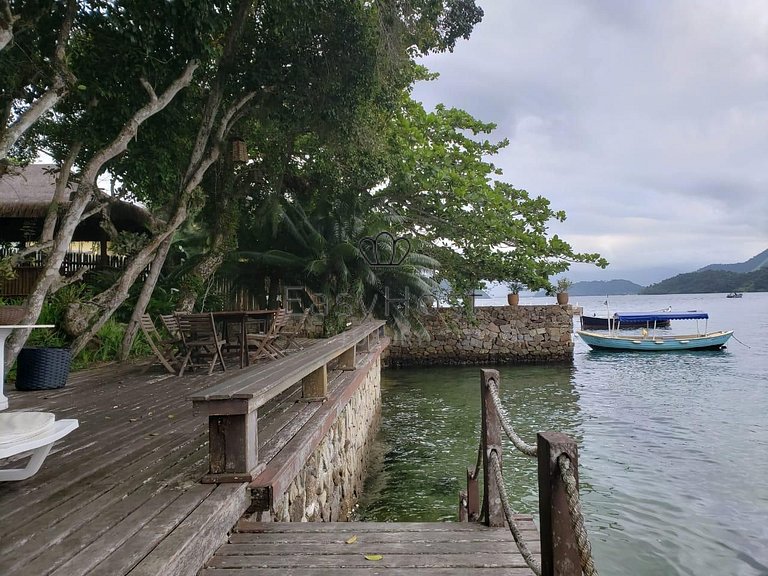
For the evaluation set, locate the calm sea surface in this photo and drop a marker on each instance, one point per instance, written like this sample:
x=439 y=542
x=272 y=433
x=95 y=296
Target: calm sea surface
x=673 y=446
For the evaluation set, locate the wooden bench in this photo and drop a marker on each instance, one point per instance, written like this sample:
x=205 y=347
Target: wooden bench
x=232 y=404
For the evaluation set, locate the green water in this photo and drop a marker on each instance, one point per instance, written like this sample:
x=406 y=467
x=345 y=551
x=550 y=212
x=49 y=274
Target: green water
x=674 y=473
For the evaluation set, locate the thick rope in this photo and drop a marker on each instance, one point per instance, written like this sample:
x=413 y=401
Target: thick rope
x=533 y=564
x=577 y=519
x=519 y=443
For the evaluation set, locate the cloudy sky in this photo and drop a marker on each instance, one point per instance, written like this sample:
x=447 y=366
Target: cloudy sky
x=647 y=122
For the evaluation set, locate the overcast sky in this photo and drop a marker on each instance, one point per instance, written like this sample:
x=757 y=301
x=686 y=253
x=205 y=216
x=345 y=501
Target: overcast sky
x=647 y=122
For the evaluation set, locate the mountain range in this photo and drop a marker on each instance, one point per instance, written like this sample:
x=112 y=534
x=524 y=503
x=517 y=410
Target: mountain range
x=749 y=276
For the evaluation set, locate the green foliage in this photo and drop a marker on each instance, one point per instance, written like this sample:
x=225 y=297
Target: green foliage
x=128 y=243
x=443 y=189
x=7 y=271
x=562 y=285
x=106 y=346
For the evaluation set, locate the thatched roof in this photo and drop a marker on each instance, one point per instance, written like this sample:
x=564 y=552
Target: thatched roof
x=27 y=193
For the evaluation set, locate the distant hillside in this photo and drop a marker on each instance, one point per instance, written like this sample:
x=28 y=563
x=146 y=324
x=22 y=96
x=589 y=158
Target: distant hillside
x=754 y=263
x=708 y=281
x=604 y=288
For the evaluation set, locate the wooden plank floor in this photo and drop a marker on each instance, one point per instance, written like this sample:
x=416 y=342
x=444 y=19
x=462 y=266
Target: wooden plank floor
x=127 y=481
x=122 y=495
x=428 y=549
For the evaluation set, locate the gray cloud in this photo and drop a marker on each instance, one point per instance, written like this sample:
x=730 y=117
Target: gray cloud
x=647 y=122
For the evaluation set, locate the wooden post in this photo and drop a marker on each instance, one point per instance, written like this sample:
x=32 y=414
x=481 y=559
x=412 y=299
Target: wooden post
x=232 y=447
x=463 y=515
x=315 y=385
x=473 y=496
x=559 y=552
x=348 y=360
x=494 y=512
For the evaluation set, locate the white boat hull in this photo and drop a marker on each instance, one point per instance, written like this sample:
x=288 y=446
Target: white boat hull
x=711 y=341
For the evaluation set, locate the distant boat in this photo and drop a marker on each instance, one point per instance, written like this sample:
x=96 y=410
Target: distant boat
x=603 y=323
x=648 y=341
x=735 y=295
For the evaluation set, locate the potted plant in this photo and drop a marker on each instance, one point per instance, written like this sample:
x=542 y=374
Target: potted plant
x=513 y=298
x=561 y=290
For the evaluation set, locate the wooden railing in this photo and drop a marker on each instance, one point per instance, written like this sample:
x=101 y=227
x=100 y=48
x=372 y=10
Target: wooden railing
x=559 y=550
x=232 y=405
x=27 y=272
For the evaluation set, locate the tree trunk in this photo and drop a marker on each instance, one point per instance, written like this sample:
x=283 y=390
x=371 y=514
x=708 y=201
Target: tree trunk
x=144 y=297
x=49 y=276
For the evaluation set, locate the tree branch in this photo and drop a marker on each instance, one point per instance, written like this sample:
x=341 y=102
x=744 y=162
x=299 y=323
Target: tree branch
x=7 y=20
x=62 y=78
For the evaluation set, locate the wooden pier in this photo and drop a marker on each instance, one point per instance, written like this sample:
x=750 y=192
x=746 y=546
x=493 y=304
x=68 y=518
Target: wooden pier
x=123 y=495
x=367 y=548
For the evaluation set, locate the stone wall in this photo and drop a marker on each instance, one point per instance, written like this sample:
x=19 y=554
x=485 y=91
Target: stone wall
x=497 y=335
x=329 y=485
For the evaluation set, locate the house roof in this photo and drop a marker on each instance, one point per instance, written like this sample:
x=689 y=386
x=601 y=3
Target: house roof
x=26 y=194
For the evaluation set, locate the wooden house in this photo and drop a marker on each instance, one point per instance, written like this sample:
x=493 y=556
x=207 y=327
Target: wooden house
x=26 y=195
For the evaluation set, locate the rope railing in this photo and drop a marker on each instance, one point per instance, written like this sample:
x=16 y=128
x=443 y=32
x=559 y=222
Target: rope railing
x=519 y=443
x=533 y=564
x=577 y=518
x=565 y=546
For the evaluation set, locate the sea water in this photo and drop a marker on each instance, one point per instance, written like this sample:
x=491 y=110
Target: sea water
x=673 y=447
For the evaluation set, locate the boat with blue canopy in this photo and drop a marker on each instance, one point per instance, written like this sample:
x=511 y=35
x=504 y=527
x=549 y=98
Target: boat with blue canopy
x=602 y=323
x=649 y=340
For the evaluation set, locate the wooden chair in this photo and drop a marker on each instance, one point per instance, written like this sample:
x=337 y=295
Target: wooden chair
x=171 y=324
x=201 y=342
x=264 y=344
x=292 y=331
x=164 y=349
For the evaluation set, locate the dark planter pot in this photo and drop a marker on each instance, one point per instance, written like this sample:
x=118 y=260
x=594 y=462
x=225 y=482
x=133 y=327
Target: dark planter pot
x=42 y=368
x=513 y=299
x=562 y=298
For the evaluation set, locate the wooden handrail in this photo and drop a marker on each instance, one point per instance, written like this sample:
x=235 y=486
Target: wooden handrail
x=231 y=406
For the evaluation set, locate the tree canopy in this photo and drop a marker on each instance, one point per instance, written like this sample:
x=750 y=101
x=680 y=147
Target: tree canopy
x=154 y=95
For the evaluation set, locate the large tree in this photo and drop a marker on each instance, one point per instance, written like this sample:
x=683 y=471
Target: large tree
x=443 y=189
x=124 y=62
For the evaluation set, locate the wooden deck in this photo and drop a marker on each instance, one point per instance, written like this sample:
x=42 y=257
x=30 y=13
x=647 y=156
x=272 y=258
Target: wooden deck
x=426 y=549
x=111 y=492
x=122 y=495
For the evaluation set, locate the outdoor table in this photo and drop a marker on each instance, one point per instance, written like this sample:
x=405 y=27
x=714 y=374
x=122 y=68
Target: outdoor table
x=4 y=332
x=242 y=317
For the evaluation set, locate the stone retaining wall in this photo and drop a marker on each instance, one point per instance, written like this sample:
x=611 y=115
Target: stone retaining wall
x=329 y=485
x=497 y=335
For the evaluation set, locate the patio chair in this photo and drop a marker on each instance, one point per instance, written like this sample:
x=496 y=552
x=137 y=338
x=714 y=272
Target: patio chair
x=292 y=331
x=264 y=344
x=164 y=349
x=201 y=342
x=171 y=324
x=33 y=432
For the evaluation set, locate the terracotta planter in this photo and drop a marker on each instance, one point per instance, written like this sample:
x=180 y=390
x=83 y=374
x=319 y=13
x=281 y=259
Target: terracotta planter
x=513 y=299
x=562 y=298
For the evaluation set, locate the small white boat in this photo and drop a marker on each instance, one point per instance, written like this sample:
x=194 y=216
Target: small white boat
x=649 y=341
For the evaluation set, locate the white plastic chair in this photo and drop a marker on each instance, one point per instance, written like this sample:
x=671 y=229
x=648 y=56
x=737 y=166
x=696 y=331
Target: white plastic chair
x=33 y=432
